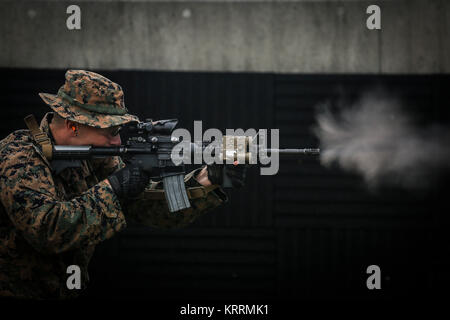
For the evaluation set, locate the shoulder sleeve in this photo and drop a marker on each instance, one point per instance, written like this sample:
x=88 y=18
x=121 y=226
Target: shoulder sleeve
x=155 y=212
x=29 y=196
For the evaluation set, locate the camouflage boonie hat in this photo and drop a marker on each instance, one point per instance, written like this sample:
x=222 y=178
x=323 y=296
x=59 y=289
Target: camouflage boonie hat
x=90 y=99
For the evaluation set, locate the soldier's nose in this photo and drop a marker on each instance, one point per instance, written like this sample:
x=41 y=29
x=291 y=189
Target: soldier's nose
x=115 y=141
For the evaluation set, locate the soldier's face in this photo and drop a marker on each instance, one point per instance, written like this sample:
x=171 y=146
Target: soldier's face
x=97 y=137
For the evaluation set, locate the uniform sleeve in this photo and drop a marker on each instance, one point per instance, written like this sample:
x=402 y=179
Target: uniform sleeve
x=155 y=213
x=104 y=167
x=29 y=196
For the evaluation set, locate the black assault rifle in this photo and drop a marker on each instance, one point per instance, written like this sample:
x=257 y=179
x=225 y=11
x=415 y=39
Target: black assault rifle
x=150 y=146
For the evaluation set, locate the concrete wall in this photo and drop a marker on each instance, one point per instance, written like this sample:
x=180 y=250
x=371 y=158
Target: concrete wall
x=266 y=36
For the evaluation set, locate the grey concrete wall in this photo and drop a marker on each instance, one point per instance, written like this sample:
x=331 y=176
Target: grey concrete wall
x=262 y=36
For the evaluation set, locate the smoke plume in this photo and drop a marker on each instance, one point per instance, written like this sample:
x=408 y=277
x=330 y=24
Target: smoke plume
x=377 y=139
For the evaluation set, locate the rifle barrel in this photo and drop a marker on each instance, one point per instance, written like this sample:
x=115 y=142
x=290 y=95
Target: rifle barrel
x=84 y=152
x=305 y=151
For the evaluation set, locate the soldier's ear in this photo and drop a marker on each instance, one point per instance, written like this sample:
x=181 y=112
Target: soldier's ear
x=72 y=126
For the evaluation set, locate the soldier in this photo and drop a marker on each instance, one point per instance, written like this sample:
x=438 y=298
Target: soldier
x=54 y=213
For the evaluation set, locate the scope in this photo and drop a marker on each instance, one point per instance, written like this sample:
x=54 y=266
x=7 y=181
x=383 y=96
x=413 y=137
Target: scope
x=164 y=127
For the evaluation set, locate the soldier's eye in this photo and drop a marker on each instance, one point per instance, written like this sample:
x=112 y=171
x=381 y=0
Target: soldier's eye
x=115 y=131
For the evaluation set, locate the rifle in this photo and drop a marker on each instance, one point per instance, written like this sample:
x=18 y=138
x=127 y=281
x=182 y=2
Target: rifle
x=150 y=146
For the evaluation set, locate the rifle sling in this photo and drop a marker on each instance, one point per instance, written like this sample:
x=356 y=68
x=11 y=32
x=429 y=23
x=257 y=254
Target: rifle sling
x=39 y=136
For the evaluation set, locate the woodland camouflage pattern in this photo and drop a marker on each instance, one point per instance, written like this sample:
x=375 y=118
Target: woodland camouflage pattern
x=91 y=99
x=49 y=221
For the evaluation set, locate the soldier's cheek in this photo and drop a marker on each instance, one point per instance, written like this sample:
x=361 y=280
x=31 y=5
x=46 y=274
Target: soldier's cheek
x=100 y=141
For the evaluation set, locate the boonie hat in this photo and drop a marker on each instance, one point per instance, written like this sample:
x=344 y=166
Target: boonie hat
x=91 y=99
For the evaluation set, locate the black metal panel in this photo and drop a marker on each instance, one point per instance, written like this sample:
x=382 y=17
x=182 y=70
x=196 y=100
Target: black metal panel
x=195 y=263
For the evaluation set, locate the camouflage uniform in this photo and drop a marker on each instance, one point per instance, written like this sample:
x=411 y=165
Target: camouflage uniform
x=52 y=218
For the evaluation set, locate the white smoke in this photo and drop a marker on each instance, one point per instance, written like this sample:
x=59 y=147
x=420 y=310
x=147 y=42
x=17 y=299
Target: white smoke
x=375 y=138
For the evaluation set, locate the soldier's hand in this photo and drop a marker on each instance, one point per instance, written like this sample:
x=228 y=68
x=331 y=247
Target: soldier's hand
x=236 y=173
x=129 y=181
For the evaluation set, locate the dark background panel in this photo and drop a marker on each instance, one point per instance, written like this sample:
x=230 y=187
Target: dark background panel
x=213 y=263
x=308 y=232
